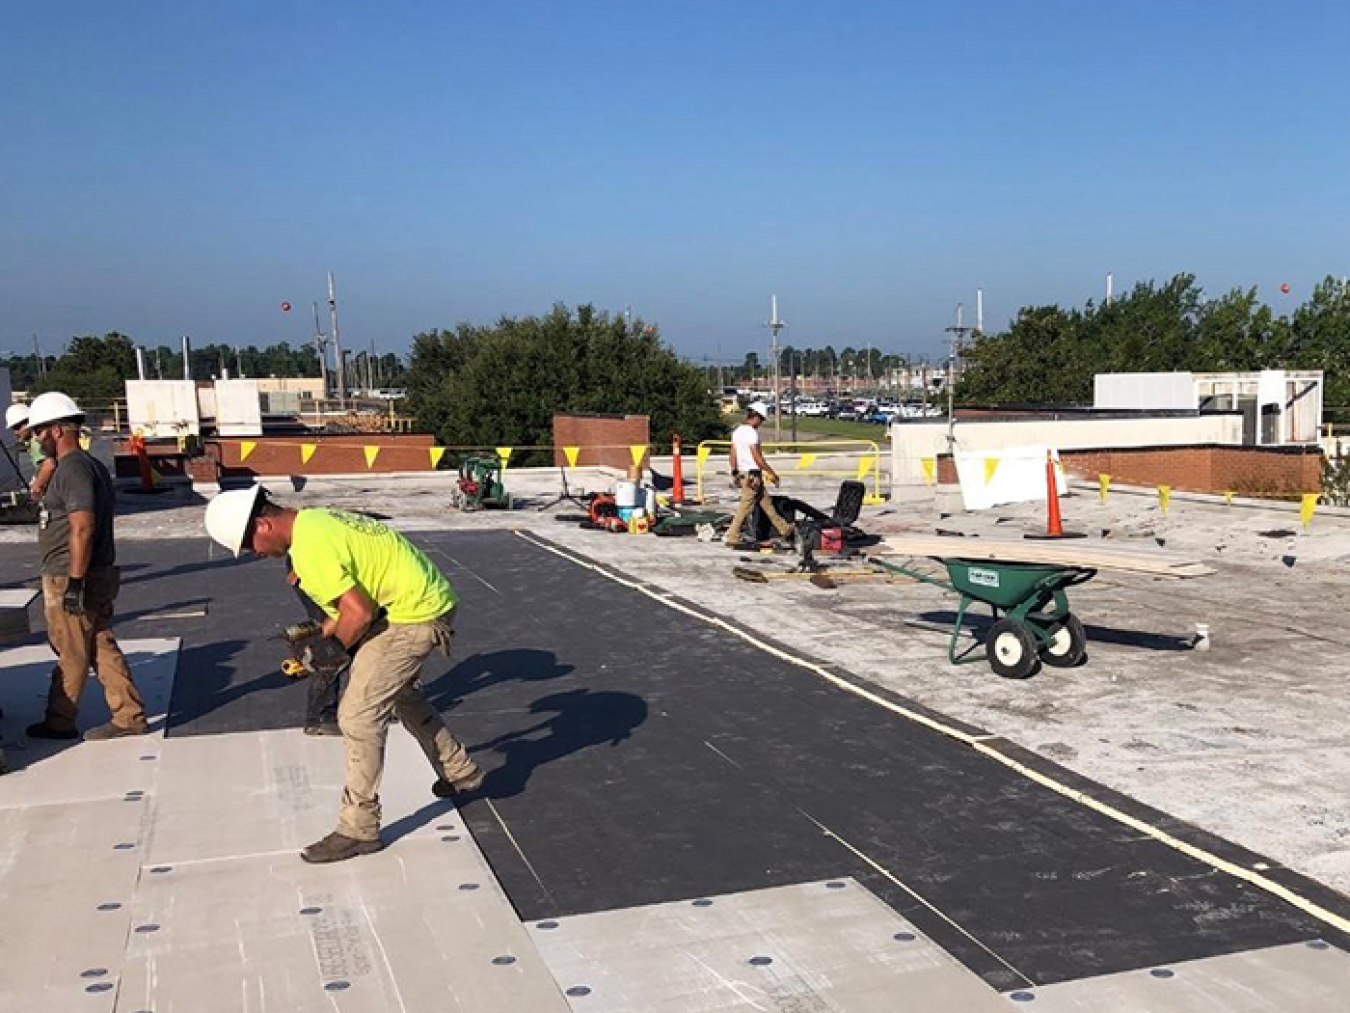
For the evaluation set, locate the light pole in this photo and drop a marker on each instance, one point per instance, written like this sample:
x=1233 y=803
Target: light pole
x=958 y=334
x=775 y=325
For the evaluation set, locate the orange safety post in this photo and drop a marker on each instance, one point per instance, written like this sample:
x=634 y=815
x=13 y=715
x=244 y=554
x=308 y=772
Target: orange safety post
x=676 y=475
x=137 y=445
x=1053 y=526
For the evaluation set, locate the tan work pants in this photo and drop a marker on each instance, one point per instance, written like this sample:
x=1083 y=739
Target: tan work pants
x=82 y=641
x=753 y=494
x=383 y=682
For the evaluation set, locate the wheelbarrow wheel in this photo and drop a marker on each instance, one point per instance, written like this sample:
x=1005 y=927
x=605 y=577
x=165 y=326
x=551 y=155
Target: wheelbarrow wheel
x=1011 y=650
x=1068 y=643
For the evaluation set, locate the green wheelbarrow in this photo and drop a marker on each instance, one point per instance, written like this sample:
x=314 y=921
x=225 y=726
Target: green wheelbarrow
x=1032 y=621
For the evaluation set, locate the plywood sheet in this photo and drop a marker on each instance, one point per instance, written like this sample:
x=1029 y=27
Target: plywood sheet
x=817 y=946
x=420 y=926
x=1307 y=977
x=1087 y=552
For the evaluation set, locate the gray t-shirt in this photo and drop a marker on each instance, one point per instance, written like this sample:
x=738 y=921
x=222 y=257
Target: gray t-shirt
x=81 y=484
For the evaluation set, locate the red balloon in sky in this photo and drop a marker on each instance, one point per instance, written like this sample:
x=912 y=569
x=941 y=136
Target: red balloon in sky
x=1285 y=288
x=285 y=307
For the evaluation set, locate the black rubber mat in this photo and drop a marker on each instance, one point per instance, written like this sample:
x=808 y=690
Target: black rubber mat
x=638 y=755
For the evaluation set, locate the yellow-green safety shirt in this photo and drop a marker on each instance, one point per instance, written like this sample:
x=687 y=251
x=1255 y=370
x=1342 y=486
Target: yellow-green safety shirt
x=333 y=551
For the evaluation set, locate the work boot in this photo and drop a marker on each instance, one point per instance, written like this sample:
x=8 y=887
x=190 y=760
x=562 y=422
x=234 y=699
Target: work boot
x=42 y=730
x=459 y=787
x=323 y=728
x=113 y=731
x=338 y=847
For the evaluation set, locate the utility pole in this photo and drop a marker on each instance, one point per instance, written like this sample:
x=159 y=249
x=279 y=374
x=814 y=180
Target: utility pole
x=371 y=370
x=321 y=346
x=37 y=353
x=775 y=325
x=1110 y=285
x=958 y=334
x=979 y=310
x=337 y=343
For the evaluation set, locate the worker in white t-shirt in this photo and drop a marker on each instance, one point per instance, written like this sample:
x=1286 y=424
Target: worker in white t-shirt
x=749 y=470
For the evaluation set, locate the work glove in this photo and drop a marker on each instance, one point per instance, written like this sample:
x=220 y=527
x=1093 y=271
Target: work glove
x=73 y=600
x=326 y=657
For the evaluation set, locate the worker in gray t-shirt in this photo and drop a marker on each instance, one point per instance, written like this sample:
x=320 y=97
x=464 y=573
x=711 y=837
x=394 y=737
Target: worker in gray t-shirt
x=79 y=579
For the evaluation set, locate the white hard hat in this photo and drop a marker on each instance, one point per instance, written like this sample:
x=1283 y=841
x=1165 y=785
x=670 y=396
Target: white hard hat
x=16 y=416
x=52 y=406
x=227 y=516
x=760 y=409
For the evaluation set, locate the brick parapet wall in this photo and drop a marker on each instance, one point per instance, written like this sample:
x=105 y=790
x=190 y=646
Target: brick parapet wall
x=1207 y=468
x=604 y=439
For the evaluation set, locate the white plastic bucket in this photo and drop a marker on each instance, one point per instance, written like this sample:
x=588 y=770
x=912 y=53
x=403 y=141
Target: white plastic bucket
x=626 y=495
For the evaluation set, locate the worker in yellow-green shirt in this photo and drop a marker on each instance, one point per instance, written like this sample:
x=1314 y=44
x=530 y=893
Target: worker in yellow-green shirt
x=388 y=608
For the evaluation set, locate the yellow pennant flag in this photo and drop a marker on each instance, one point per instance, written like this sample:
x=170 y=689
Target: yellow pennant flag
x=703 y=452
x=1103 y=485
x=572 y=454
x=436 y=454
x=307 y=451
x=990 y=466
x=638 y=451
x=246 y=447
x=930 y=469
x=1228 y=497
x=1309 y=507
x=504 y=453
x=806 y=460
x=1164 y=497
x=371 y=454
x=864 y=466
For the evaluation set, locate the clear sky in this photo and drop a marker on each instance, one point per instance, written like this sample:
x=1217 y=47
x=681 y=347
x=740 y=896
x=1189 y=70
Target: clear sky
x=171 y=167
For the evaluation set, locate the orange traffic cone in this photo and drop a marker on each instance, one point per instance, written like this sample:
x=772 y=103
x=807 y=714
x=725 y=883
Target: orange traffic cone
x=676 y=473
x=1053 y=527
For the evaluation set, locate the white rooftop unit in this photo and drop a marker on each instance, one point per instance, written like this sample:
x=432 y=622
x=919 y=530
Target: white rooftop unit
x=1278 y=406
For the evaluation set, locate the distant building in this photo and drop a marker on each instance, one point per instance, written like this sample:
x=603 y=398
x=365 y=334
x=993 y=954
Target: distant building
x=1278 y=406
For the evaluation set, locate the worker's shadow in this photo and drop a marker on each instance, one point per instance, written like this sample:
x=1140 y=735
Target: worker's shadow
x=980 y=624
x=207 y=682
x=578 y=719
x=482 y=671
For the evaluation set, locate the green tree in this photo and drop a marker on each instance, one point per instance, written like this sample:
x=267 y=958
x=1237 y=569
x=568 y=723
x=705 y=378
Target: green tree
x=500 y=386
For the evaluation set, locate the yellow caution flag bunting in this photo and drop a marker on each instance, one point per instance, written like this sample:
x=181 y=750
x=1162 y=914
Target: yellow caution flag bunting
x=307 y=451
x=504 y=454
x=1164 y=497
x=1228 y=497
x=1103 y=485
x=1309 y=507
x=572 y=454
x=930 y=469
x=990 y=466
x=436 y=454
x=371 y=454
x=864 y=466
x=637 y=451
x=806 y=460
x=703 y=452
x=246 y=447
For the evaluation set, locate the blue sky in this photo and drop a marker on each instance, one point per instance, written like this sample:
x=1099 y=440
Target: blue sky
x=184 y=167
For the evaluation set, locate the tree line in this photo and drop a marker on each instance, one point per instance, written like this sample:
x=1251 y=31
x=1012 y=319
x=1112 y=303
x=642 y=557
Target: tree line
x=1049 y=354
x=500 y=385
